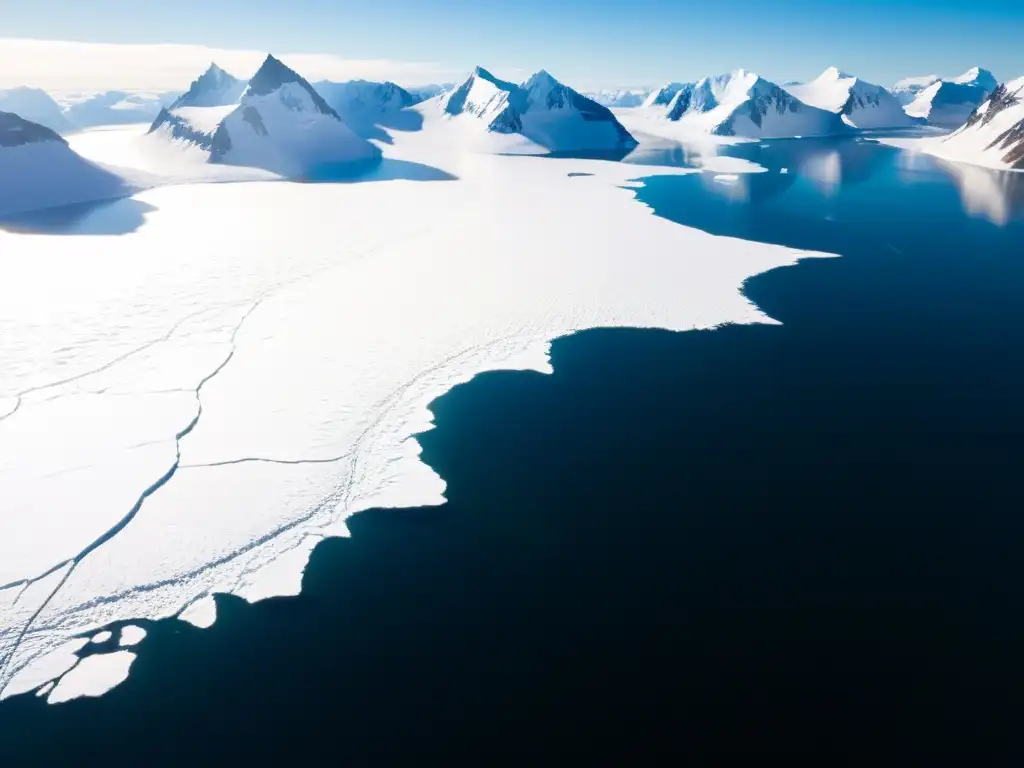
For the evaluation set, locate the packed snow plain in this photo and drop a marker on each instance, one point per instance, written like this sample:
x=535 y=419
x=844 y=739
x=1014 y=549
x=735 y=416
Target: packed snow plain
x=203 y=381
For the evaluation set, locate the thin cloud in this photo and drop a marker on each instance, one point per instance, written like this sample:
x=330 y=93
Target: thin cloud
x=61 y=66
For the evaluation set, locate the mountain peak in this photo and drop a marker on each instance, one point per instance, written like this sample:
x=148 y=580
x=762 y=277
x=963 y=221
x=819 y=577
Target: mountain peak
x=833 y=73
x=977 y=76
x=214 y=88
x=543 y=77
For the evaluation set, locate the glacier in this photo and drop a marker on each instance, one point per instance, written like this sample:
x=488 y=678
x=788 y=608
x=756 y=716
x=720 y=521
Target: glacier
x=209 y=392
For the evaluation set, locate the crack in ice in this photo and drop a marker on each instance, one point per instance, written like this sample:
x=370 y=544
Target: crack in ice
x=20 y=396
x=146 y=493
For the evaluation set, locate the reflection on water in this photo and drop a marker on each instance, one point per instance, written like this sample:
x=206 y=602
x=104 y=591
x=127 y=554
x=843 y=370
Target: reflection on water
x=825 y=177
x=993 y=195
x=376 y=169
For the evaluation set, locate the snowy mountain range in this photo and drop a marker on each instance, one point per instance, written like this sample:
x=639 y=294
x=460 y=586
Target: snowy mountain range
x=543 y=111
x=994 y=133
x=619 y=97
x=740 y=104
x=36 y=106
x=424 y=92
x=948 y=103
x=279 y=123
x=370 y=108
x=214 y=88
x=861 y=104
x=39 y=170
x=115 y=108
x=907 y=89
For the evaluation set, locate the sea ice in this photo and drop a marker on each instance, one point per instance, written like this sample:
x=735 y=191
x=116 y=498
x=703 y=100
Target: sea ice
x=207 y=393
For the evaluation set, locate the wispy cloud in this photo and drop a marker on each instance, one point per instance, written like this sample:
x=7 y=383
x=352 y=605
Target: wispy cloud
x=65 y=67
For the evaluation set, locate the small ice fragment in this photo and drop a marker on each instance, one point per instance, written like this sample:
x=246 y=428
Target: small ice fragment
x=202 y=613
x=131 y=635
x=102 y=637
x=93 y=676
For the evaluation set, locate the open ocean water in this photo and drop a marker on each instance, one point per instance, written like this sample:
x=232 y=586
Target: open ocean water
x=805 y=538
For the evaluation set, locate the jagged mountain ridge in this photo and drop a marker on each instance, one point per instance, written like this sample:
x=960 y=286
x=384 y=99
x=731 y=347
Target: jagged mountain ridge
x=740 y=104
x=280 y=124
x=542 y=110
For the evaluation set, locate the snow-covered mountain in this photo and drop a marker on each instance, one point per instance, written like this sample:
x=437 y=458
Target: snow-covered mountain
x=738 y=104
x=907 y=89
x=369 y=107
x=619 y=97
x=357 y=96
x=661 y=97
x=214 y=88
x=948 y=103
x=39 y=170
x=543 y=111
x=115 y=107
x=861 y=104
x=994 y=133
x=36 y=106
x=280 y=124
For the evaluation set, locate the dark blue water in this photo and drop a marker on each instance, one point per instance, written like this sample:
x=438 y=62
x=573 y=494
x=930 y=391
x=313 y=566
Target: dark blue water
x=802 y=539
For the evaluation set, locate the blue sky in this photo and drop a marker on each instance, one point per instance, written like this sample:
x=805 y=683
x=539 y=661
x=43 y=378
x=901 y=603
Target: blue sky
x=587 y=43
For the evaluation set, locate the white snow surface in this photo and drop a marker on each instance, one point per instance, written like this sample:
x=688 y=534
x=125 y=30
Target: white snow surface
x=93 y=676
x=131 y=635
x=862 y=104
x=205 y=395
x=35 y=105
x=738 y=105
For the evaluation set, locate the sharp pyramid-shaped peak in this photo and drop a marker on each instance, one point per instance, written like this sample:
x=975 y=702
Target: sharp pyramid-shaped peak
x=214 y=88
x=273 y=74
x=542 y=79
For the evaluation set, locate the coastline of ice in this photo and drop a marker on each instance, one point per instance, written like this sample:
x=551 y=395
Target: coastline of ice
x=208 y=393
